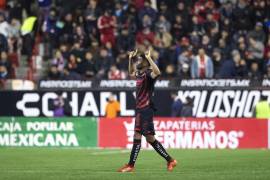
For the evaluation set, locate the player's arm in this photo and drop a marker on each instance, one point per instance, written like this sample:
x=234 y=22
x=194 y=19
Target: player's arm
x=131 y=70
x=156 y=72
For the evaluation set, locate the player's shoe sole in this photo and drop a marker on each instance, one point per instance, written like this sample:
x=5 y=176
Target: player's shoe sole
x=171 y=165
x=126 y=168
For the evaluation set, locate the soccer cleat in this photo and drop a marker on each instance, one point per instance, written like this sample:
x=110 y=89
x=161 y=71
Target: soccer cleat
x=126 y=168
x=171 y=165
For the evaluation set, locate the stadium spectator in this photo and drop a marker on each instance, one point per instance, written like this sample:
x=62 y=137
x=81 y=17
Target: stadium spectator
x=77 y=50
x=163 y=22
x=262 y=108
x=73 y=63
x=242 y=16
x=255 y=50
x=80 y=36
x=121 y=61
x=164 y=10
x=3 y=43
x=242 y=46
x=2 y=4
x=67 y=30
x=206 y=44
x=14 y=39
x=202 y=65
x=14 y=28
x=184 y=72
x=3 y=72
x=147 y=21
x=114 y=73
x=267 y=74
x=44 y=6
x=59 y=61
x=234 y=67
x=184 y=62
x=187 y=109
x=28 y=31
x=147 y=10
x=106 y=25
x=145 y=36
x=91 y=15
x=110 y=50
x=225 y=50
x=163 y=38
x=54 y=73
x=179 y=30
x=6 y=62
x=88 y=66
x=162 y=42
x=254 y=72
x=112 y=108
x=217 y=61
x=258 y=33
x=260 y=10
x=70 y=75
x=176 y=106
x=58 y=106
x=103 y=63
x=183 y=11
x=131 y=20
x=125 y=41
x=4 y=25
x=170 y=71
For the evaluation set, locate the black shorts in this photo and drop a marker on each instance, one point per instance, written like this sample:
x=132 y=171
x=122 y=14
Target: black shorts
x=144 y=121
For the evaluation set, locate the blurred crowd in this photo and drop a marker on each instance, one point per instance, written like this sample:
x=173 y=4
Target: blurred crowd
x=86 y=39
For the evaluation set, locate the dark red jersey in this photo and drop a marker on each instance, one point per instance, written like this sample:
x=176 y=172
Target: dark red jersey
x=144 y=89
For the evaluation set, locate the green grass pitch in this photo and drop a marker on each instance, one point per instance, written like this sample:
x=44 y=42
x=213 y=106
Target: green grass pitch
x=91 y=164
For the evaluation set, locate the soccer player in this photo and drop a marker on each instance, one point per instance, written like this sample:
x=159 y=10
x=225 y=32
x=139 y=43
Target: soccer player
x=146 y=72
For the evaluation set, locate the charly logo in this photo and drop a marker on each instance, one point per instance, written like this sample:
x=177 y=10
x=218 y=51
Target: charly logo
x=33 y=99
x=28 y=98
x=81 y=104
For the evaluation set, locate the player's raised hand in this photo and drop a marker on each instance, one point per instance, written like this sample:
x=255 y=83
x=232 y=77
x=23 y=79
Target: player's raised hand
x=148 y=54
x=132 y=54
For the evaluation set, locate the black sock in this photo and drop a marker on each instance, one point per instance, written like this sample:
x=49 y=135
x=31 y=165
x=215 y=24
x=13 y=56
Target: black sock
x=160 y=150
x=135 y=151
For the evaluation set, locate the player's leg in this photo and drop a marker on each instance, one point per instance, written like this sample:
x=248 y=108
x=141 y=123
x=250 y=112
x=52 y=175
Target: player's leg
x=133 y=154
x=158 y=147
x=135 y=148
x=148 y=131
x=171 y=163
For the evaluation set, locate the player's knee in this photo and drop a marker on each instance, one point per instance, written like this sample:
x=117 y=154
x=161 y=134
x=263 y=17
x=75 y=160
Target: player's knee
x=137 y=135
x=150 y=138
